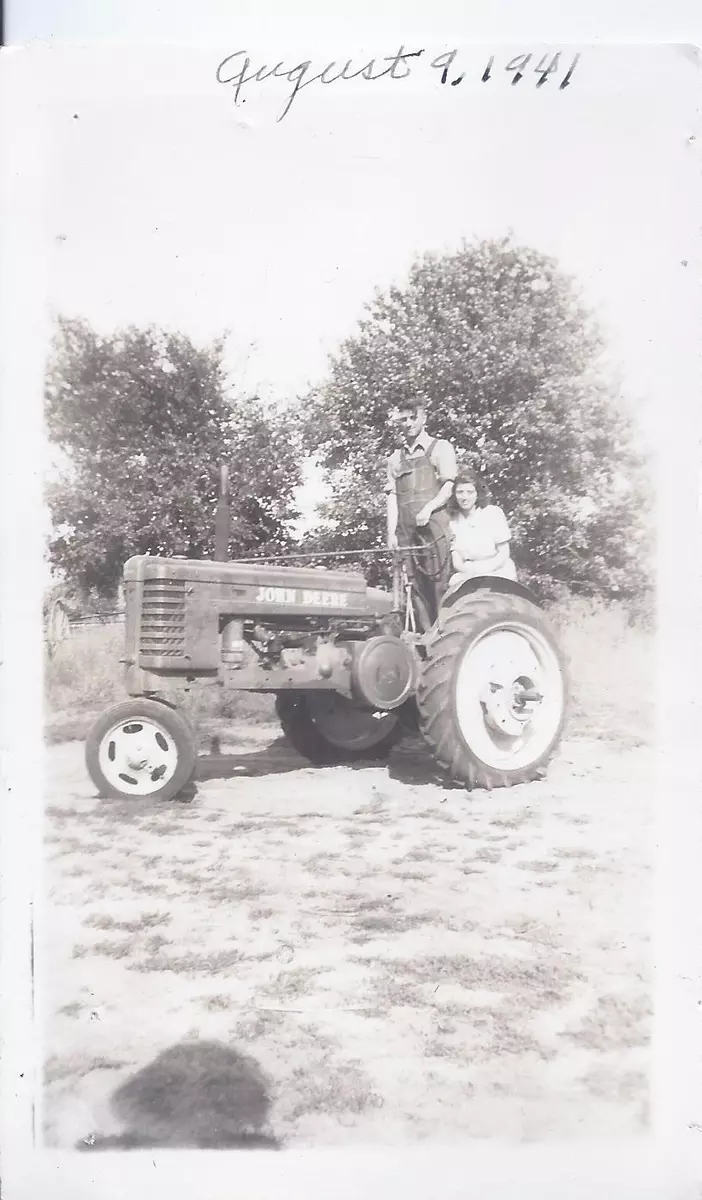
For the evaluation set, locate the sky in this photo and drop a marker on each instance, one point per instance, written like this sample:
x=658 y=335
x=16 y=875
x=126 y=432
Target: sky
x=169 y=204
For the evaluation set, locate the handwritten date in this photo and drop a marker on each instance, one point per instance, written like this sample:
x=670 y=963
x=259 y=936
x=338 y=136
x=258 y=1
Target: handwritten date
x=237 y=71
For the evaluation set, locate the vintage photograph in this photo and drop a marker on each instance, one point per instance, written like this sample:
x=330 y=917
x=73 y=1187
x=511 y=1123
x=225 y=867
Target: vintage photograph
x=358 y=376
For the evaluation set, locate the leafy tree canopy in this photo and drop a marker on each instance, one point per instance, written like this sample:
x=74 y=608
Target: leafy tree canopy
x=145 y=419
x=495 y=341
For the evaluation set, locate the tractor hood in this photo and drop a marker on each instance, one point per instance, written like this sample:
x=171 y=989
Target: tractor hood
x=262 y=589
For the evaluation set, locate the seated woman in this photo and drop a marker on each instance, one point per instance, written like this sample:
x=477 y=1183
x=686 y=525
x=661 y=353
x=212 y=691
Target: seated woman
x=480 y=535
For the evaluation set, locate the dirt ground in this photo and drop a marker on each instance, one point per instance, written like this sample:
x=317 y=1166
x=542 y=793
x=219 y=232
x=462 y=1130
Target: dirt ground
x=301 y=957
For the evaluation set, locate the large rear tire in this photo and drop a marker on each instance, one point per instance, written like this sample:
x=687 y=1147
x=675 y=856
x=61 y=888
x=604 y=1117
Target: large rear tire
x=326 y=728
x=492 y=696
x=141 y=749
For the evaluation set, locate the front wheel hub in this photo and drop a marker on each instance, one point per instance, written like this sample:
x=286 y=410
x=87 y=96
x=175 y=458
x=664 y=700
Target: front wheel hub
x=138 y=757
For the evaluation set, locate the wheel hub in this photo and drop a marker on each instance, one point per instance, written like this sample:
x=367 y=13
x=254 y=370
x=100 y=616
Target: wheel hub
x=141 y=755
x=506 y=708
x=137 y=764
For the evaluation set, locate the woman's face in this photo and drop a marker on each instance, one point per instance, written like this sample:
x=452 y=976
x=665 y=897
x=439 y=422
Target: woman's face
x=466 y=497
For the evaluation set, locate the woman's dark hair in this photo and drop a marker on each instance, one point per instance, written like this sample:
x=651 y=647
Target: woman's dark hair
x=468 y=475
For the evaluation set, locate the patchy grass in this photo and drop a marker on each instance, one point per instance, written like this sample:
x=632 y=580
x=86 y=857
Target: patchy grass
x=491 y=972
x=189 y=964
x=116 y=949
x=217 y=1003
x=342 y=1088
x=469 y=993
x=537 y=866
x=144 y=921
x=612 y=1022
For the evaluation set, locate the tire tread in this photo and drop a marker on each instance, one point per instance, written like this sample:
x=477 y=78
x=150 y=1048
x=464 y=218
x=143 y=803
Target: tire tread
x=437 y=721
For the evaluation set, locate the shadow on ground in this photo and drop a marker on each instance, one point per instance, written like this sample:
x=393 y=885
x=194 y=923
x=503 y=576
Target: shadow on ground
x=409 y=763
x=200 y=1095
x=275 y=758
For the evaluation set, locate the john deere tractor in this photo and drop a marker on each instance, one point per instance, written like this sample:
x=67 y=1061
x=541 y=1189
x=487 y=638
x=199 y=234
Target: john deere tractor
x=351 y=667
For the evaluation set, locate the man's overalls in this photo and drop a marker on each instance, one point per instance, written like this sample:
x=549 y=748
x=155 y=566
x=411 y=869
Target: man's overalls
x=429 y=568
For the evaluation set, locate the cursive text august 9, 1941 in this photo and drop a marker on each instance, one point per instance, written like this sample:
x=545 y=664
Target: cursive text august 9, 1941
x=238 y=71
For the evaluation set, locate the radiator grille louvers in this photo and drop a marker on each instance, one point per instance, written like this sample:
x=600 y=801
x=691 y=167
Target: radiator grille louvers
x=162 y=631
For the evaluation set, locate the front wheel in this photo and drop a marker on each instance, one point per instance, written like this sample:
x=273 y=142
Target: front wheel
x=326 y=728
x=492 y=697
x=141 y=749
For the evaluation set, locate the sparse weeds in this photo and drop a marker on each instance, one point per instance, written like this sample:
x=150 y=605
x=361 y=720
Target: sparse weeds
x=57 y=1069
x=292 y=983
x=487 y=855
x=230 y=893
x=116 y=949
x=189 y=964
x=146 y=920
x=514 y=821
x=499 y=974
x=613 y=1022
x=340 y=1087
x=538 y=866
x=394 y=922
x=74 y=1009
x=217 y=1003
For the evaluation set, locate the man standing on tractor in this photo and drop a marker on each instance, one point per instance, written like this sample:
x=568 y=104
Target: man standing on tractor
x=420 y=475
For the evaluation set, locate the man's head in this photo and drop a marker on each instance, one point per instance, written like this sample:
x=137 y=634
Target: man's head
x=407 y=420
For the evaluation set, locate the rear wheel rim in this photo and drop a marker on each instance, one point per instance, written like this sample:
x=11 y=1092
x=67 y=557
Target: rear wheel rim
x=497 y=680
x=346 y=726
x=138 y=756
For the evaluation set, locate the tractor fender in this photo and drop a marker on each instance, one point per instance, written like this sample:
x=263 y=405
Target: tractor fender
x=495 y=583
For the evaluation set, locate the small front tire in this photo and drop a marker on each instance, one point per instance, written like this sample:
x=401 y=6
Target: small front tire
x=142 y=750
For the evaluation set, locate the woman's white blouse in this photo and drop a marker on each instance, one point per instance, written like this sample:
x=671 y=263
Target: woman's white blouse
x=479 y=534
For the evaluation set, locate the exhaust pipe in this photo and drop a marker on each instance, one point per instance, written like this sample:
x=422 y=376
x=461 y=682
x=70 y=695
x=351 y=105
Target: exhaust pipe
x=222 y=517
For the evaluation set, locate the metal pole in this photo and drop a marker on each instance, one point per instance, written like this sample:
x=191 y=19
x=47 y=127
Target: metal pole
x=222 y=517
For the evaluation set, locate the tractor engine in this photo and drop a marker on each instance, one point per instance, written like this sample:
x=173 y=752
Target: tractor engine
x=263 y=628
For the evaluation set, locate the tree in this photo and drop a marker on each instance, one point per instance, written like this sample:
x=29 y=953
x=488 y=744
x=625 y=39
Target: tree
x=495 y=340
x=144 y=419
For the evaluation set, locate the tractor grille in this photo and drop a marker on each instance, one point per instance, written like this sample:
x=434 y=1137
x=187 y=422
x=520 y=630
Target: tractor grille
x=162 y=633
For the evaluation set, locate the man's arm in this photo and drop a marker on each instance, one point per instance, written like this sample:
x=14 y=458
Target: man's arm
x=439 y=500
